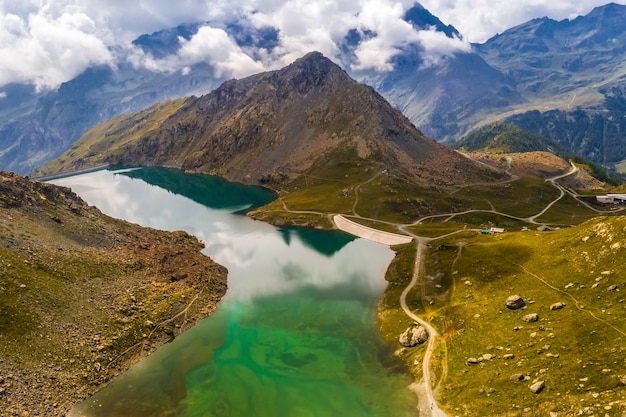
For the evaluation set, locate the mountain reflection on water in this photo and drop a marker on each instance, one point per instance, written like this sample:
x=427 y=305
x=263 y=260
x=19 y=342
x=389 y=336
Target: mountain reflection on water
x=294 y=336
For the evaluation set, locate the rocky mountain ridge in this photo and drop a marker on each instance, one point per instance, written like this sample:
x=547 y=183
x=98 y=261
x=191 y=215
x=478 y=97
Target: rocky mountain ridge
x=540 y=76
x=272 y=125
x=572 y=76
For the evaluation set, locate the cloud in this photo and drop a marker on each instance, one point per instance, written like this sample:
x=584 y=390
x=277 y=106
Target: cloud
x=437 y=46
x=47 y=42
x=210 y=45
x=478 y=20
x=47 y=51
x=305 y=26
x=385 y=20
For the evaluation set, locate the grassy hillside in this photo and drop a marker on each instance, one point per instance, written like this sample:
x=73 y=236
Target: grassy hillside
x=505 y=138
x=578 y=351
x=84 y=296
x=111 y=136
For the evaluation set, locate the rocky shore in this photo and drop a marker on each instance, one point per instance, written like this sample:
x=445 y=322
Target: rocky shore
x=83 y=296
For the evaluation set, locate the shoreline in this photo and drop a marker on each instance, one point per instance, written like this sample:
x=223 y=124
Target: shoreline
x=86 y=296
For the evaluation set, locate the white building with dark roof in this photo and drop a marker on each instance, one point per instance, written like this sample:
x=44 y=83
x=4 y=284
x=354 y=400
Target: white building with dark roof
x=612 y=198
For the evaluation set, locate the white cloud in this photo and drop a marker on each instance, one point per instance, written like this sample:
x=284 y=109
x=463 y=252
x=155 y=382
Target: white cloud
x=385 y=20
x=436 y=46
x=3 y=95
x=47 y=51
x=305 y=26
x=210 y=45
x=478 y=20
x=46 y=42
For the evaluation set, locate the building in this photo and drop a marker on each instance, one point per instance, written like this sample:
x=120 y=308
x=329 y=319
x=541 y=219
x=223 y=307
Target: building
x=612 y=199
x=492 y=230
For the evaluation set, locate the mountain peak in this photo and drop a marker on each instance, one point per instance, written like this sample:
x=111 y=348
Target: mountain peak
x=278 y=124
x=313 y=62
x=421 y=18
x=310 y=71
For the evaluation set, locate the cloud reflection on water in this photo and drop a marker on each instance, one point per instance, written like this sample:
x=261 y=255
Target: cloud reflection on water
x=260 y=261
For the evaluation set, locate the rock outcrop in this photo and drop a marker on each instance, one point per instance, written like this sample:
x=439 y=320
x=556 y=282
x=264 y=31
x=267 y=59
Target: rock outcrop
x=557 y=306
x=515 y=302
x=413 y=336
x=537 y=387
x=530 y=318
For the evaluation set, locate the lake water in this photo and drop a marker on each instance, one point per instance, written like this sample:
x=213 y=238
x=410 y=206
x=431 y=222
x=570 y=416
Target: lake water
x=295 y=334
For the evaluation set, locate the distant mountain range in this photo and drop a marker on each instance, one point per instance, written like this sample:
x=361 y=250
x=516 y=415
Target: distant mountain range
x=561 y=80
x=572 y=75
x=274 y=127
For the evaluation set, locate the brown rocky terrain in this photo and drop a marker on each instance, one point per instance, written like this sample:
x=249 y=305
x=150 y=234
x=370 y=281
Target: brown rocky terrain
x=542 y=165
x=273 y=126
x=84 y=296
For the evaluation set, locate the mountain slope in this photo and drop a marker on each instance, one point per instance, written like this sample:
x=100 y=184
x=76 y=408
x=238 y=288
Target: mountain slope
x=49 y=125
x=573 y=75
x=75 y=304
x=275 y=124
x=447 y=97
x=546 y=58
x=504 y=138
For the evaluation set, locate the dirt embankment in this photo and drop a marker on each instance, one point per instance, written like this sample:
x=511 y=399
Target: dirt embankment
x=84 y=296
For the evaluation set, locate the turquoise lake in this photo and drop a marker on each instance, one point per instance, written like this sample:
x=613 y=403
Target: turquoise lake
x=295 y=334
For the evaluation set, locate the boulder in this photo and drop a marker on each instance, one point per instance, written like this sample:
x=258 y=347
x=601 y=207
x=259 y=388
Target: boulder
x=508 y=356
x=516 y=377
x=532 y=317
x=515 y=302
x=413 y=336
x=537 y=387
x=557 y=306
x=473 y=361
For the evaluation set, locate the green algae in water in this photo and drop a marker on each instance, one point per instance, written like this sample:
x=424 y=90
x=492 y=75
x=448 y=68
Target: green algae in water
x=318 y=369
x=294 y=336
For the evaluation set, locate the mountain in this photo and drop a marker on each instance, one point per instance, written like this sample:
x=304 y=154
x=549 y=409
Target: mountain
x=269 y=126
x=563 y=80
x=572 y=74
x=504 y=138
x=540 y=75
x=555 y=60
x=37 y=127
x=596 y=134
x=74 y=300
x=446 y=98
x=440 y=99
x=49 y=123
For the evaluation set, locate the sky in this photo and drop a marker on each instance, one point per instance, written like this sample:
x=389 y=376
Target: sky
x=48 y=42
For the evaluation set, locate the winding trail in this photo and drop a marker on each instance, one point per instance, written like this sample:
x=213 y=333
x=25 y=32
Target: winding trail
x=427 y=404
